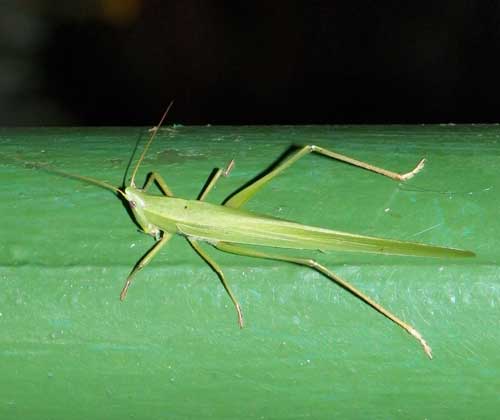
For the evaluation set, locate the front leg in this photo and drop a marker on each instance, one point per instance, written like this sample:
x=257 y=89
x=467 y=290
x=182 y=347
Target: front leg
x=156 y=177
x=145 y=261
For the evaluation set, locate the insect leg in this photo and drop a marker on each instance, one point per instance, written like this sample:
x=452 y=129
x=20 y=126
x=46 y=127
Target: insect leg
x=238 y=249
x=214 y=179
x=219 y=272
x=390 y=174
x=156 y=177
x=241 y=197
x=144 y=261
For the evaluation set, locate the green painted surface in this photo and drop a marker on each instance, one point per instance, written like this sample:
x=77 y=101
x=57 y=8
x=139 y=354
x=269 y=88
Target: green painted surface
x=70 y=349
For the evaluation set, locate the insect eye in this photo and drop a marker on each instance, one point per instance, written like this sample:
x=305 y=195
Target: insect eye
x=132 y=203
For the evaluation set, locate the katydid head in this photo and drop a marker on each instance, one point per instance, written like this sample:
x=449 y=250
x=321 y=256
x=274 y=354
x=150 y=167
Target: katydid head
x=134 y=195
x=135 y=199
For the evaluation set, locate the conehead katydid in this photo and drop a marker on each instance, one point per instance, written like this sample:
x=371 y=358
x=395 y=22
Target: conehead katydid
x=230 y=228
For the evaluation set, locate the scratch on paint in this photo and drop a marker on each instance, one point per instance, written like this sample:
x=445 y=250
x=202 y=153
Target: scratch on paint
x=420 y=315
x=425 y=230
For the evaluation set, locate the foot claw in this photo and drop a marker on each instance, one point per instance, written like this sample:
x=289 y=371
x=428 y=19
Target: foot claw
x=415 y=171
x=240 y=316
x=418 y=336
x=124 y=291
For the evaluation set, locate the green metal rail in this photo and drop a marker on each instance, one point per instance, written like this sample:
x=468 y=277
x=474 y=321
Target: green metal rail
x=70 y=349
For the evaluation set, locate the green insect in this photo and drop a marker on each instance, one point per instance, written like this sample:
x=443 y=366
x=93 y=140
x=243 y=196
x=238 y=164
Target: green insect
x=231 y=229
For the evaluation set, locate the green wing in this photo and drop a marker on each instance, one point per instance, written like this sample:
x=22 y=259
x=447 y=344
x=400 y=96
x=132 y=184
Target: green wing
x=284 y=234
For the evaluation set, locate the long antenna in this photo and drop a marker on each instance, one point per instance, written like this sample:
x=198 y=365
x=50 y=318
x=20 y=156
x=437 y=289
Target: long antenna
x=155 y=130
x=50 y=168
x=90 y=180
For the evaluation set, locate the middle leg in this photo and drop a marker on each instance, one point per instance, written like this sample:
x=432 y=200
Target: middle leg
x=219 y=272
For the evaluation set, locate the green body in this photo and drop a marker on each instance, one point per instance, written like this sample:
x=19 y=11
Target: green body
x=215 y=223
x=232 y=230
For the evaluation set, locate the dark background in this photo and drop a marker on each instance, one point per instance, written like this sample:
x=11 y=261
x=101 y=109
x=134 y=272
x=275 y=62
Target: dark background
x=120 y=62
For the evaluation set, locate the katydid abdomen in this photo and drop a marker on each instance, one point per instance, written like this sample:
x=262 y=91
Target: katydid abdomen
x=214 y=223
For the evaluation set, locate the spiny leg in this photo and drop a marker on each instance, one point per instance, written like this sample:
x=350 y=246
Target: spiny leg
x=244 y=195
x=144 y=261
x=240 y=250
x=219 y=272
x=215 y=178
x=156 y=177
